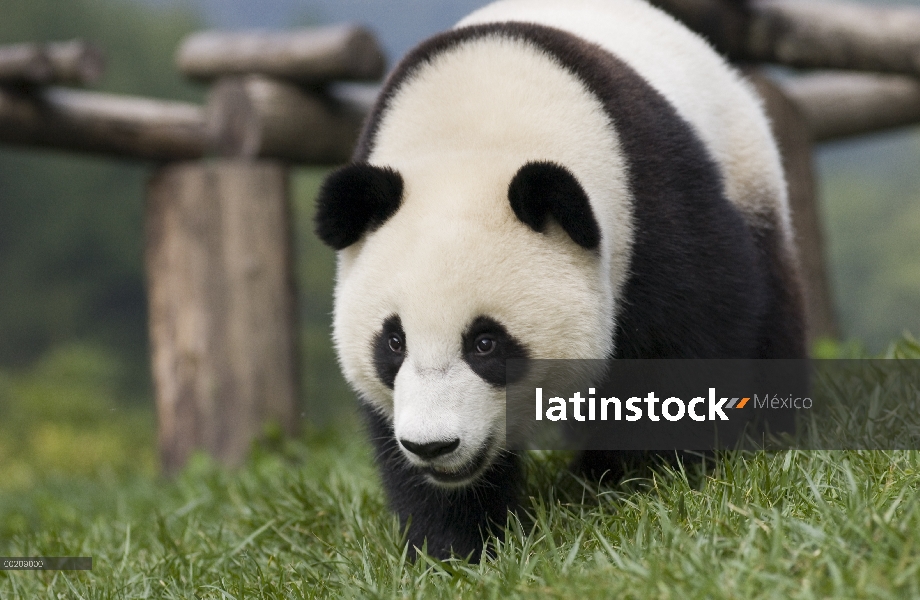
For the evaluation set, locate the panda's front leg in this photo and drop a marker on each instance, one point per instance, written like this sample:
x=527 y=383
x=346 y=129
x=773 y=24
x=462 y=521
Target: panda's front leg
x=453 y=521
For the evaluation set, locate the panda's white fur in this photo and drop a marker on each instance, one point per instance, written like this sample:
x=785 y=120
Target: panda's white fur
x=456 y=127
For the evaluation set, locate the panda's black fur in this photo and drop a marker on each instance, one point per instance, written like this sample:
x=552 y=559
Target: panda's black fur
x=704 y=282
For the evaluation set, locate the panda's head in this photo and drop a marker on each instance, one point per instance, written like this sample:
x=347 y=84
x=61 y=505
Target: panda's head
x=435 y=293
x=481 y=222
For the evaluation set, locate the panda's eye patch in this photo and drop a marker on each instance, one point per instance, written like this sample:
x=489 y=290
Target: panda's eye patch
x=389 y=350
x=487 y=344
x=484 y=344
x=395 y=343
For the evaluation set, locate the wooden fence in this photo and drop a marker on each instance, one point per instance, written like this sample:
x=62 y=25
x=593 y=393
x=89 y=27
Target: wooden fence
x=218 y=230
x=218 y=240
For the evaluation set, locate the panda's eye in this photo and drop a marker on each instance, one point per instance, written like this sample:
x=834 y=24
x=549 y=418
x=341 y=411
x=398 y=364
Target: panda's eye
x=395 y=343
x=484 y=345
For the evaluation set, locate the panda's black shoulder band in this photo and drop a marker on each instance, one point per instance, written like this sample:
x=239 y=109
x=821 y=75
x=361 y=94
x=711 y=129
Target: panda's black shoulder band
x=354 y=200
x=544 y=189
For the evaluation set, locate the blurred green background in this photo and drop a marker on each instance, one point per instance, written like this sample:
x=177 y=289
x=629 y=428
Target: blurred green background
x=73 y=344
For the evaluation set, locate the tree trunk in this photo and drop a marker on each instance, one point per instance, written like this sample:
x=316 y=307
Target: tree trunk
x=222 y=320
x=790 y=129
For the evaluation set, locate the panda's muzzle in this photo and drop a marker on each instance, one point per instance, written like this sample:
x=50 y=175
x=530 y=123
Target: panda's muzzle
x=431 y=450
x=465 y=474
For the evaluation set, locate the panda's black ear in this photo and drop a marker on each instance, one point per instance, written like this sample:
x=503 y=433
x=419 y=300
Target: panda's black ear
x=544 y=189
x=354 y=200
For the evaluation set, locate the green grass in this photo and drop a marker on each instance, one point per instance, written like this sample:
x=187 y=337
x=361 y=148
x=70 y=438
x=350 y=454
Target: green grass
x=75 y=412
x=308 y=519
x=786 y=525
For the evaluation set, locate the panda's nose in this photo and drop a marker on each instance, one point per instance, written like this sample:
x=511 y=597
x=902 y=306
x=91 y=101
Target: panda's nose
x=430 y=450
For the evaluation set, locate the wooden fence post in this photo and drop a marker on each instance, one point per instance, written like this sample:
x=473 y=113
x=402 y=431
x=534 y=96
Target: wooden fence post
x=222 y=318
x=791 y=131
x=218 y=253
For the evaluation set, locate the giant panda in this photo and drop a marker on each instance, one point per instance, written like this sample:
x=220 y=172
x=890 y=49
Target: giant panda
x=578 y=179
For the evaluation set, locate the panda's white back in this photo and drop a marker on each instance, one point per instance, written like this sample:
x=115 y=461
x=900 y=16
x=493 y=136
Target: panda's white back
x=723 y=109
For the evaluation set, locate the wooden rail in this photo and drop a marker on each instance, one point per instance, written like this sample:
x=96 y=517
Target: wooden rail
x=304 y=56
x=812 y=35
x=842 y=105
x=75 y=62
x=118 y=126
x=255 y=116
